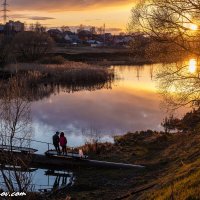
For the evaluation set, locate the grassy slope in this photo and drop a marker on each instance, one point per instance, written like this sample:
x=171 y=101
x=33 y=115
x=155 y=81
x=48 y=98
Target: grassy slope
x=181 y=179
x=173 y=165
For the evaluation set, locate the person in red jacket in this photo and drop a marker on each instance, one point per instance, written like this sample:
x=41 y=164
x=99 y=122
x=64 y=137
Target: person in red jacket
x=63 y=143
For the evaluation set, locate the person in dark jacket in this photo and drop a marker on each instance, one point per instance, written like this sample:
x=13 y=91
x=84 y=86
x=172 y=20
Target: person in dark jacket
x=63 y=143
x=56 y=141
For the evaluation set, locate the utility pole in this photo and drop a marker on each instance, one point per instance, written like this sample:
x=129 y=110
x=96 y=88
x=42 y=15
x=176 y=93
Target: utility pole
x=104 y=32
x=5 y=11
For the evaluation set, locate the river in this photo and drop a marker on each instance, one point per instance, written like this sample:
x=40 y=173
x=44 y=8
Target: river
x=131 y=104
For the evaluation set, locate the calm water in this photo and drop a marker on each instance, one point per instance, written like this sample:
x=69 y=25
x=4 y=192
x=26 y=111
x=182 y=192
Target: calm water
x=132 y=104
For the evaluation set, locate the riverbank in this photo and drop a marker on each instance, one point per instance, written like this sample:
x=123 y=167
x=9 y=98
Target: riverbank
x=172 y=168
x=102 y=56
x=107 y=56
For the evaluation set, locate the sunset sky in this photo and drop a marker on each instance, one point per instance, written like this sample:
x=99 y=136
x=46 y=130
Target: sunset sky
x=55 y=13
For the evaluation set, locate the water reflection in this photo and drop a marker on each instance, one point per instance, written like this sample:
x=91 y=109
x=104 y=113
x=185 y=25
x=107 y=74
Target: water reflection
x=44 y=180
x=52 y=180
x=192 y=66
x=131 y=105
x=179 y=84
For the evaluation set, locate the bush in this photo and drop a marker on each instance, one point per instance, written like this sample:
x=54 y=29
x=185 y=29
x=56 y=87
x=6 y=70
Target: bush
x=5 y=50
x=53 y=60
x=31 y=46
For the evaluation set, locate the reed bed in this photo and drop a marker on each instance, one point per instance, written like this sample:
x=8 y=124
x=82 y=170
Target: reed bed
x=44 y=79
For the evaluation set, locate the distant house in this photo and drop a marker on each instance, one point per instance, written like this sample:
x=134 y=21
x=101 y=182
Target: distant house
x=14 y=26
x=2 y=28
x=56 y=34
x=94 y=43
x=122 y=40
x=71 y=38
x=53 y=32
x=98 y=44
x=85 y=35
x=104 y=39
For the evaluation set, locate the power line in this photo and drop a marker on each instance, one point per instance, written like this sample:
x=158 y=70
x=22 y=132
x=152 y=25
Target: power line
x=5 y=10
x=104 y=33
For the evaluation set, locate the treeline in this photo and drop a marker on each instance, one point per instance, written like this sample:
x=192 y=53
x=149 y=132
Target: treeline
x=24 y=46
x=155 y=50
x=168 y=27
x=190 y=122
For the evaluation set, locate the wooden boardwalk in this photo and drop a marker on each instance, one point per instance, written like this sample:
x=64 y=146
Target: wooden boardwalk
x=68 y=162
x=17 y=149
x=52 y=160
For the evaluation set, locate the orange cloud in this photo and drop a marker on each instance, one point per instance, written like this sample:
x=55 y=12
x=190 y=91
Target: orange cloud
x=114 y=13
x=61 y=5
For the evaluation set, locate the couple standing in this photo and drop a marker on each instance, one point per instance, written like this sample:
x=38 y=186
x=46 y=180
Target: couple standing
x=62 y=140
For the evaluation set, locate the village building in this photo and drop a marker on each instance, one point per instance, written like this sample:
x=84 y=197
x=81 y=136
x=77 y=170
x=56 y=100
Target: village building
x=71 y=38
x=85 y=35
x=14 y=26
x=56 y=34
x=2 y=28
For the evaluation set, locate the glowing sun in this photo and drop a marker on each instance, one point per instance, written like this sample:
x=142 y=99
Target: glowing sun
x=193 y=27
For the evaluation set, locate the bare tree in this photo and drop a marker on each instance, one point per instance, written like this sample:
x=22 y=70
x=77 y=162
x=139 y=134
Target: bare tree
x=37 y=27
x=81 y=28
x=92 y=140
x=100 y=30
x=5 y=50
x=15 y=123
x=179 y=84
x=93 y=30
x=169 y=21
x=65 y=28
x=172 y=26
x=32 y=45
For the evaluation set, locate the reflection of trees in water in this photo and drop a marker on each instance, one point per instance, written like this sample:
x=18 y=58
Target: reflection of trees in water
x=16 y=93
x=179 y=84
x=62 y=180
x=139 y=69
x=46 y=90
x=36 y=87
x=151 y=71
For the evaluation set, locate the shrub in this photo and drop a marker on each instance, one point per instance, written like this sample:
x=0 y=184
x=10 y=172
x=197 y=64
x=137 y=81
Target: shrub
x=5 y=50
x=32 y=45
x=53 y=60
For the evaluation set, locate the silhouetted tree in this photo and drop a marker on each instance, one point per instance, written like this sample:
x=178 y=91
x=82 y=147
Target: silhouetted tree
x=169 y=21
x=32 y=45
x=65 y=28
x=93 y=30
x=37 y=27
x=170 y=124
x=175 y=24
x=179 y=84
x=191 y=121
x=81 y=28
x=5 y=50
x=15 y=122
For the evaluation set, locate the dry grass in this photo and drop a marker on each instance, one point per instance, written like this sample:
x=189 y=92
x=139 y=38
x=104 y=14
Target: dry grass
x=69 y=65
x=69 y=77
x=172 y=163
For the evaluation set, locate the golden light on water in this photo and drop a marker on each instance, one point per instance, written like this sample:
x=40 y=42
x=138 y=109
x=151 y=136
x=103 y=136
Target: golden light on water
x=192 y=65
